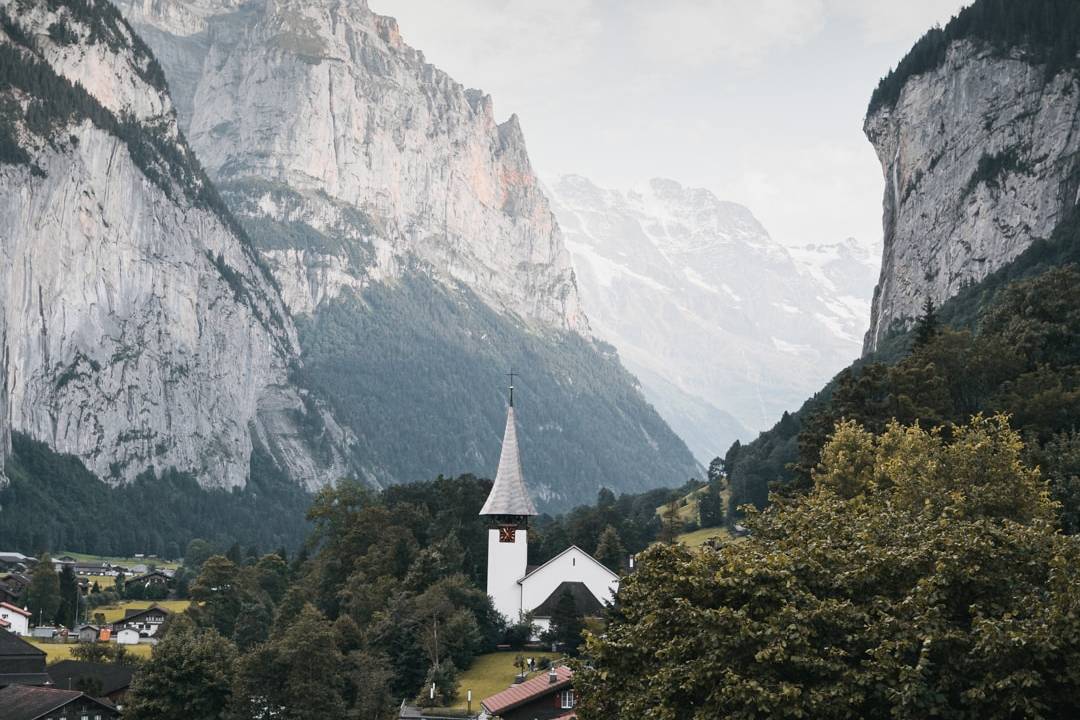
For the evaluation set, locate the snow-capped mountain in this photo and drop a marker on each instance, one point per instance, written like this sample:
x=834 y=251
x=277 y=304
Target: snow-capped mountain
x=724 y=326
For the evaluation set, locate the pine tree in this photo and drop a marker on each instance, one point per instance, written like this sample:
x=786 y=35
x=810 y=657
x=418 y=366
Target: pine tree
x=567 y=623
x=610 y=550
x=68 y=611
x=926 y=329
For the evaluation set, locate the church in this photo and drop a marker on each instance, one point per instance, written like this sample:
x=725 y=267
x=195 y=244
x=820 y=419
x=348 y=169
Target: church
x=517 y=588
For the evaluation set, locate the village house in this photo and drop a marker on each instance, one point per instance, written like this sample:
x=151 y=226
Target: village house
x=152 y=579
x=24 y=702
x=102 y=680
x=20 y=662
x=14 y=619
x=548 y=696
x=145 y=621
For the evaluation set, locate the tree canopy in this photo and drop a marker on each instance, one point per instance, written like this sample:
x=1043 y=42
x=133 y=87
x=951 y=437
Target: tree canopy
x=922 y=576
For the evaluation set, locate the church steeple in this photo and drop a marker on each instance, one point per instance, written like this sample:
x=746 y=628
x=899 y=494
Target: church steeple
x=509 y=496
x=508 y=506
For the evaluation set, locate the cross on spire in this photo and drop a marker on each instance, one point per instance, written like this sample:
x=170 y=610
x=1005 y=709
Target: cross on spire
x=512 y=375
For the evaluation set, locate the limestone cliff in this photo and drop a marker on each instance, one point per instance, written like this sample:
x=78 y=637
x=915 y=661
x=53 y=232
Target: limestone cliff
x=980 y=158
x=318 y=118
x=141 y=331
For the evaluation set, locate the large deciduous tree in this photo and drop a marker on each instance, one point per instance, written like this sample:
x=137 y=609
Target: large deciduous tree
x=920 y=577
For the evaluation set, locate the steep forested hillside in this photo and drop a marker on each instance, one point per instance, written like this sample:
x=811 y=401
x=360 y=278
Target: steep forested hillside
x=401 y=365
x=1009 y=344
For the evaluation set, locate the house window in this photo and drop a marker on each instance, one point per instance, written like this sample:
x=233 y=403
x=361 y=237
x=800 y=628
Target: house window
x=567 y=699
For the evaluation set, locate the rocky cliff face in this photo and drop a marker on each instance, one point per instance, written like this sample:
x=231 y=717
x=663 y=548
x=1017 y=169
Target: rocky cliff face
x=140 y=330
x=725 y=327
x=412 y=242
x=980 y=157
x=318 y=118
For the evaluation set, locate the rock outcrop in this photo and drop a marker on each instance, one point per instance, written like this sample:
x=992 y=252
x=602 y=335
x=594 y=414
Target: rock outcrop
x=980 y=157
x=141 y=332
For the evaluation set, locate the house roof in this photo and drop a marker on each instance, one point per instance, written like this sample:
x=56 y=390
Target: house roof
x=25 y=702
x=66 y=674
x=538 y=568
x=508 y=495
x=537 y=687
x=13 y=645
x=139 y=612
x=586 y=602
x=15 y=608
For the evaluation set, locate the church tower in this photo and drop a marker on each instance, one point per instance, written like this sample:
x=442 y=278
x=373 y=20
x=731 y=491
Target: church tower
x=508 y=509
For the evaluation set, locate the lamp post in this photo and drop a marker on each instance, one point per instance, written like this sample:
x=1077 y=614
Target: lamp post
x=468 y=699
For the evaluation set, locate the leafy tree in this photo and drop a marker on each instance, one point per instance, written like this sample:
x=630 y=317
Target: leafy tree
x=923 y=576
x=368 y=679
x=189 y=675
x=219 y=594
x=610 y=551
x=297 y=675
x=43 y=593
x=198 y=551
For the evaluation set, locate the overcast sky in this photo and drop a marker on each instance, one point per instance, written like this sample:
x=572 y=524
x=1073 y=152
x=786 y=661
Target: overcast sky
x=761 y=101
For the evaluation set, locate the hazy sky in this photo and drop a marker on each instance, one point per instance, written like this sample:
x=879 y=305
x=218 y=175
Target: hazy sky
x=761 y=101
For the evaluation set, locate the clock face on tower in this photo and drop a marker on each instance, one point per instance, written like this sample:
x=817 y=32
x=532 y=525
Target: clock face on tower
x=507 y=533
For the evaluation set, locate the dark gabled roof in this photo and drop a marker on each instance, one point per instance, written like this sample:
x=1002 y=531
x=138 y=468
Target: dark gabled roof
x=129 y=613
x=586 y=602
x=518 y=695
x=66 y=675
x=24 y=702
x=11 y=645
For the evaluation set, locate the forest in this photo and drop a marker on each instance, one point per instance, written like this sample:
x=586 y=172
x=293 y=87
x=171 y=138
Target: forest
x=1046 y=32
x=1007 y=344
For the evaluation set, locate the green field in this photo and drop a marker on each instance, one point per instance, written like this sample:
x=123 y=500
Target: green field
x=116 y=612
x=125 y=561
x=55 y=652
x=490 y=674
x=698 y=537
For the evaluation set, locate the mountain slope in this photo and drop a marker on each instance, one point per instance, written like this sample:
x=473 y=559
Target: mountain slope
x=724 y=326
x=970 y=230
x=141 y=330
x=377 y=187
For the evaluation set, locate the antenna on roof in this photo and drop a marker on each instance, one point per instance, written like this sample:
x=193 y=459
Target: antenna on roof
x=512 y=375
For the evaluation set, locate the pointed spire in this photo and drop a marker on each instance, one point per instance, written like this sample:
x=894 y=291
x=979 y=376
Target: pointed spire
x=509 y=496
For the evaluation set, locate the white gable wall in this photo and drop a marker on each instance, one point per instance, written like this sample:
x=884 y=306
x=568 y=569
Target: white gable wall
x=573 y=565
x=19 y=622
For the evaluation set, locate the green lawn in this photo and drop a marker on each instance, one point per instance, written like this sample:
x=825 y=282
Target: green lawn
x=490 y=674
x=55 y=652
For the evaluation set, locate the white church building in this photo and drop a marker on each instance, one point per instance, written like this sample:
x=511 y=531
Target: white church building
x=515 y=587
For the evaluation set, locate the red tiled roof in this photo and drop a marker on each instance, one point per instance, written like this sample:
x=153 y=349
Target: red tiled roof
x=517 y=695
x=19 y=610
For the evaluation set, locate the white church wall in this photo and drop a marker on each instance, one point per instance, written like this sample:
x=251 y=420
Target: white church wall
x=506 y=563
x=573 y=565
